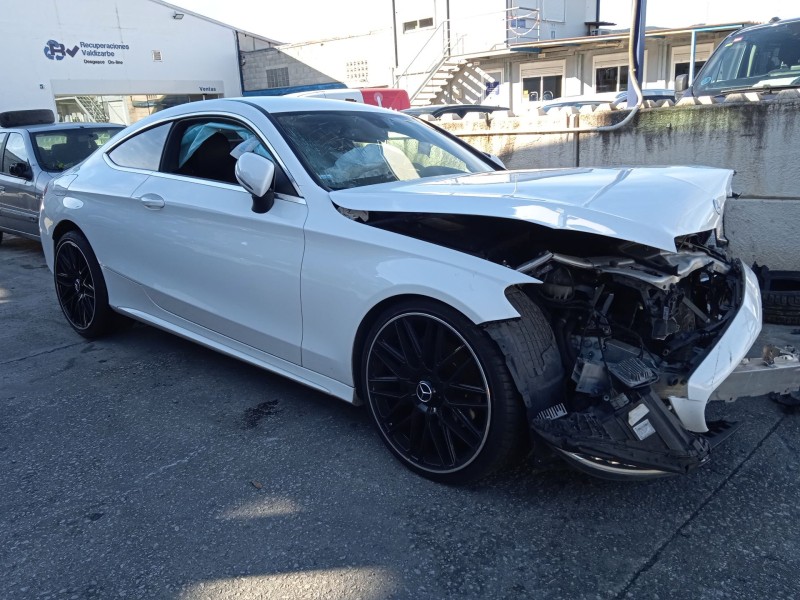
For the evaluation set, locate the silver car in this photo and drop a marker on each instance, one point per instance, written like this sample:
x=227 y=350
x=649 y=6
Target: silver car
x=34 y=149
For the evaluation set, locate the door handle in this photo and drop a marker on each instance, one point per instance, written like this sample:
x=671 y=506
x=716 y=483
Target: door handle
x=152 y=201
x=2 y=189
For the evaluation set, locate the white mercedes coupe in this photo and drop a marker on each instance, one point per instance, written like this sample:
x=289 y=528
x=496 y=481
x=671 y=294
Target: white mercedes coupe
x=481 y=314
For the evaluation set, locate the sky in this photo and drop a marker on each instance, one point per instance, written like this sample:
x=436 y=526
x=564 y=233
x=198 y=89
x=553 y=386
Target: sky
x=318 y=19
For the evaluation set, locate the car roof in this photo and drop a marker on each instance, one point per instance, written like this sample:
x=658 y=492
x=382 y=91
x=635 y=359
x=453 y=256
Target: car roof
x=437 y=107
x=63 y=126
x=604 y=97
x=765 y=25
x=270 y=104
x=279 y=104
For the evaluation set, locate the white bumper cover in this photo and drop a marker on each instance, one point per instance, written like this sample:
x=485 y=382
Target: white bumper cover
x=723 y=358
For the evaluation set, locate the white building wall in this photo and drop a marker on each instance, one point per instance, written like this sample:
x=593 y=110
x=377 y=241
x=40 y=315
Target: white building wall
x=197 y=56
x=476 y=27
x=420 y=47
x=358 y=61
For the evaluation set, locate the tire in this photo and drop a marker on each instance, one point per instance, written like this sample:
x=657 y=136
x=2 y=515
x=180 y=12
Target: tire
x=81 y=288
x=780 y=297
x=1 y=237
x=440 y=393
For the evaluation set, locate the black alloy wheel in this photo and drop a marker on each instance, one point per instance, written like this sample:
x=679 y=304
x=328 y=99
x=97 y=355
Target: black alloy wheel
x=440 y=393
x=80 y=286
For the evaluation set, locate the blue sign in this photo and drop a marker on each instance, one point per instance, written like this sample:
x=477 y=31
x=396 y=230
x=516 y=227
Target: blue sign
x=56 y=51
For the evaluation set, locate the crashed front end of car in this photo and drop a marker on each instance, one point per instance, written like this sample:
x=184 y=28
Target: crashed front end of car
x=645 y=337
x=648 y=313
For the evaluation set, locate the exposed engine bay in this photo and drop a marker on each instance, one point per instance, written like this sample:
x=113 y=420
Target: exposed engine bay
x=630 y=329
x=631 y=323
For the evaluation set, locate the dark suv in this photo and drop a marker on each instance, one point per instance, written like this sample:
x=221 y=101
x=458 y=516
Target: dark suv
x=34 y=149
x=754 y=58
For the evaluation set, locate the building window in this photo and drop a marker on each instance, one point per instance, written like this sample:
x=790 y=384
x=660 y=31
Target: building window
x=683 y=68
x=611 y=79
x=682 y=56
x=278 y=78
x=357 y=70
x=543 y=88
x=418 y=24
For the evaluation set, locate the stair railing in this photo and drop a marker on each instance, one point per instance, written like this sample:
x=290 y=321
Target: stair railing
x=449 y=45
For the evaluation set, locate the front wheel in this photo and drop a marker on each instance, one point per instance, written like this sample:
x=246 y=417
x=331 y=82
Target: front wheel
x=80 y=287
x=440 y=393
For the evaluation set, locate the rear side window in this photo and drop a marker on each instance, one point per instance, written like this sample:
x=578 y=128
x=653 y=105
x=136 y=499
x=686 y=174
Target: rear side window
x=60 y=150
x=142 y=151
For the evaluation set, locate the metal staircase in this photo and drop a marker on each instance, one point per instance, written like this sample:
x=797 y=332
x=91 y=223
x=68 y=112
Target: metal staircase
x=438 y=79
x=446 y=57
x=92 y=108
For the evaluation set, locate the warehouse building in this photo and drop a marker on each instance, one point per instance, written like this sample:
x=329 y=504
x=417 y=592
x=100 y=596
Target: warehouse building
x=115 y=60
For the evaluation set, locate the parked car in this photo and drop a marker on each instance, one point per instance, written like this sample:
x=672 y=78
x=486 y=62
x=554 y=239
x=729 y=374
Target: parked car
x=437 y=110
x=753 y=58
x=33 y=149
x=606 y=98
x=589 y=313
x=393 y=98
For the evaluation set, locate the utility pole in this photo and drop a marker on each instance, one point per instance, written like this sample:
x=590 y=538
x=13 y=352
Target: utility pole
x=639 y=8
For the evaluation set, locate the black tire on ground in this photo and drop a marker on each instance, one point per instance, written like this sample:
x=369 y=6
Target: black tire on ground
x=1 y=237
x=80 y=287
x=440 y=393
x=780 y=297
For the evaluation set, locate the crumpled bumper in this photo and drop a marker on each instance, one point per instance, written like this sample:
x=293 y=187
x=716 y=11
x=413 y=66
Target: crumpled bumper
x=723 y=359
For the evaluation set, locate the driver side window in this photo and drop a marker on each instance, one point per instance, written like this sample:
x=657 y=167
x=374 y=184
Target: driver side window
x=208 y=149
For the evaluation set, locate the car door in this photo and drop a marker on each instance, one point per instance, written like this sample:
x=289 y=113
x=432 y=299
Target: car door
x=19 y=204
x=189 y=237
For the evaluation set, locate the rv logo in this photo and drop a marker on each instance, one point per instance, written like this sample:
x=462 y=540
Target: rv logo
x=56 y=51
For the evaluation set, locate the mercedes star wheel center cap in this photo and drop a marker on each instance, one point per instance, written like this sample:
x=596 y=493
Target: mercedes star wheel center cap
x=424 y=391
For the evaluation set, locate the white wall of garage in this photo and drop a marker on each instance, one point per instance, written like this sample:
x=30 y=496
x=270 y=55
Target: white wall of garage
x=196 y=55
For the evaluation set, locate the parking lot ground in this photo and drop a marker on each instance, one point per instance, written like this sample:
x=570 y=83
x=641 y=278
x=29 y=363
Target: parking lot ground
x=144 y=466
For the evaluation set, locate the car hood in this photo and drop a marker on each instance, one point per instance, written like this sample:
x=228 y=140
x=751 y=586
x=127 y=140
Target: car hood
x=646 y=205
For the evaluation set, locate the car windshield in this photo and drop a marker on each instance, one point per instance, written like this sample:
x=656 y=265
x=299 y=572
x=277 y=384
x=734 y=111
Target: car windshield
x=763 y=57
x=346 y=149
x=60 y=150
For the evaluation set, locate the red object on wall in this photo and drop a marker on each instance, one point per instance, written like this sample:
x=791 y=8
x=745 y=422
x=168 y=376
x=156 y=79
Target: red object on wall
x=395 y=99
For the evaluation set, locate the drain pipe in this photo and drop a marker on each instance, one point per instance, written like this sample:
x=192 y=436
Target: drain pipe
x=633 y=82
x=635 y=75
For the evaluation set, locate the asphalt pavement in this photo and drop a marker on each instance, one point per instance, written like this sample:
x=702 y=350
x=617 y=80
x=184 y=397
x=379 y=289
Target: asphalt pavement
x=144 y=466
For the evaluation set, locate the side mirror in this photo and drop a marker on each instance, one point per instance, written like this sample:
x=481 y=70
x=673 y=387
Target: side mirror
x=256 y=174
x=21 y=169
x=681 y=83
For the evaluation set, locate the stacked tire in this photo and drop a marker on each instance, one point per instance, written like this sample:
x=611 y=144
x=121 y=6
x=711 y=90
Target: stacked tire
x=780 y=296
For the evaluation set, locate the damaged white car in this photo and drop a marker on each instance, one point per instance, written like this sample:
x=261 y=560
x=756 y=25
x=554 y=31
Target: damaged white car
x=588 y=314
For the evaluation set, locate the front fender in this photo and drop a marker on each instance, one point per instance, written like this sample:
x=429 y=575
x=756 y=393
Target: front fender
x=381 y=265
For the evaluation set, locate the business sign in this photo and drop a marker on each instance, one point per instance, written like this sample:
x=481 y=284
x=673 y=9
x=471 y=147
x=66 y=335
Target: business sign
x=92 y=53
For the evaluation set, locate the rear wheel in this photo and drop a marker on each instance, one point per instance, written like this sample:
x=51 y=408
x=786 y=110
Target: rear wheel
x=80 y=287
x=440 y=393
